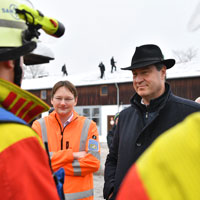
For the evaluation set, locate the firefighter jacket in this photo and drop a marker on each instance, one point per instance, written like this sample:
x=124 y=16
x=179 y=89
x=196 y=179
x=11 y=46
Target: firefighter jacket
x=24 y=167
x=169 y=169
x=79 y=135
x=137 y=128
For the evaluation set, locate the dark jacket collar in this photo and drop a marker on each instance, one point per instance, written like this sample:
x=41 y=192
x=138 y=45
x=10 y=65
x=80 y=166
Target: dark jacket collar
x=154 y=103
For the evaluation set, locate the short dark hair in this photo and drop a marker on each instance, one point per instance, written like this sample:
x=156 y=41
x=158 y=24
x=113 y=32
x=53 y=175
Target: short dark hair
x=66 y=84
x=159 y=66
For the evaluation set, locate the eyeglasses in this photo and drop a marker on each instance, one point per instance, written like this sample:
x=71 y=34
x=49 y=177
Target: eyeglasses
x=59 y=99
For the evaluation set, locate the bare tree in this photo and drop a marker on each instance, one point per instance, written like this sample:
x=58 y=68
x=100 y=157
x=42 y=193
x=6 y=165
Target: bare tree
x=185 y=56
x=34 y=71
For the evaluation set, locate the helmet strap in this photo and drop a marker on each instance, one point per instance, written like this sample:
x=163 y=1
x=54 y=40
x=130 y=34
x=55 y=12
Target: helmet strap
x=17 y=72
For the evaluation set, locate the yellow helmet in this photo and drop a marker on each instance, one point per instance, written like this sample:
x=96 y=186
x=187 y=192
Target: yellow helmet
x=12 y=45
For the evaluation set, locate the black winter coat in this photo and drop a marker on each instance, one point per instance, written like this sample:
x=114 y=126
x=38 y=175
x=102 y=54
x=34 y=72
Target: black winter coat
x=110 y=136
x=134 y=133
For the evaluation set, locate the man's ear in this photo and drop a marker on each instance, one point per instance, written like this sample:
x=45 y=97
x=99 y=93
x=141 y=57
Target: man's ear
x=164 y=71
x=76 y=100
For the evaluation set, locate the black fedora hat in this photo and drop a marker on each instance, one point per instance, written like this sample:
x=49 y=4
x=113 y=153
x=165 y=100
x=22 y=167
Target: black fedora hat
x=148 y=54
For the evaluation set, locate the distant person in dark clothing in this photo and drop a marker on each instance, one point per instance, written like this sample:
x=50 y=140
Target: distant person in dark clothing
x=64 y=70
x=111 y=132
x=112 y=62
x=102 y=69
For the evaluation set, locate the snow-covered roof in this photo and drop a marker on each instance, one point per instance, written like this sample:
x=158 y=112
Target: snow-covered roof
x=183 y=70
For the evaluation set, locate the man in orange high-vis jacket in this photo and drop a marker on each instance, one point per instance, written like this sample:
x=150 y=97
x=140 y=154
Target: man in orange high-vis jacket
x=73 y=142
x=169 y=169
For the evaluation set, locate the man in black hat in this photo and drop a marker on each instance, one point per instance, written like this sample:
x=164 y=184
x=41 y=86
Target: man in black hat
x=154 y=109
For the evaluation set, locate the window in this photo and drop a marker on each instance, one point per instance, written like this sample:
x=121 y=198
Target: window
x=95 y=112
x=104 y=90
x=86 y=112
x=43 y=94
x=91 y=112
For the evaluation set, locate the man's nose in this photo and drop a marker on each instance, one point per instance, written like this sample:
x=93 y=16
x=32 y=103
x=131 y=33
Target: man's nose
x=62 y=101
x=138 y=78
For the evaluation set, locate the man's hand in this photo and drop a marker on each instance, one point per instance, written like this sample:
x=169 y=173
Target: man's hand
x=78 y=155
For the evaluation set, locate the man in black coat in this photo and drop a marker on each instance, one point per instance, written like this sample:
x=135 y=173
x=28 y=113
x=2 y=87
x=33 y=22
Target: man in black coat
x=154 y=109
x=102 y=69
x=64 y=70
x=112 y=62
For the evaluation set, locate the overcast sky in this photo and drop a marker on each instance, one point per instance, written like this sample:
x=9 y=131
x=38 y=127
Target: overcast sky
x=96 y=30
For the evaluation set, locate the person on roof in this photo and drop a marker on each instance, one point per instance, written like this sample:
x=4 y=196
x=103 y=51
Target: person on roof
x=64 y=70
x=73 y=142
x=112 y=63
x=24 y=166
x=154 y=109
x=102 y=69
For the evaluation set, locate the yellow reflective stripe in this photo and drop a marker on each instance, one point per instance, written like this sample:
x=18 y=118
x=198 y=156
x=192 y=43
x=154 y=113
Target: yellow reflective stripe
x=11 y=133
x=169 y=169
x=79 y=195
x=7 y=88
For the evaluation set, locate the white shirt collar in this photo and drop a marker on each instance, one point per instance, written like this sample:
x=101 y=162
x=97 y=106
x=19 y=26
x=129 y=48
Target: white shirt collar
x=68 y=120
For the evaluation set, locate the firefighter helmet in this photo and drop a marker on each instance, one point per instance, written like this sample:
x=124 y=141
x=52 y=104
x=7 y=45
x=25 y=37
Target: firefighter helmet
x=12 y=45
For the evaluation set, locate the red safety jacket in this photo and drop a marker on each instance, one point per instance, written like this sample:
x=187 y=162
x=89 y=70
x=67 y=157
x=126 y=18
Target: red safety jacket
x=79 y=135
x=24 y=167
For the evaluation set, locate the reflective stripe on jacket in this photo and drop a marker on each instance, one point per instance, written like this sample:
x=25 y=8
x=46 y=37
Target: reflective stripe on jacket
x=79 y=135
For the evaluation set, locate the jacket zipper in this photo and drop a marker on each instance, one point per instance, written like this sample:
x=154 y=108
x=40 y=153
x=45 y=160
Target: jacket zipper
x=61 y=131
x=61 y=145
x=147 y=115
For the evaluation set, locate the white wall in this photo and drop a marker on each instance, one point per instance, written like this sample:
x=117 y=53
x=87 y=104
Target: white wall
x=105 y=111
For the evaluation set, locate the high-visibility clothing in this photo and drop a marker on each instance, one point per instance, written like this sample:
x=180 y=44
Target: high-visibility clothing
x=169 y=169
x=24 y=167
x=79 y=135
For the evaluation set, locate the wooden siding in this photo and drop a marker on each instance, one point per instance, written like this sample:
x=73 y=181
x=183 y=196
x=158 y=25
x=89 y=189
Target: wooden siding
x=188 y=88
x=91 y=95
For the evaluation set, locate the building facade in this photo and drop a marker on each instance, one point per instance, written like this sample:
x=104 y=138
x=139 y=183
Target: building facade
x=100 y=102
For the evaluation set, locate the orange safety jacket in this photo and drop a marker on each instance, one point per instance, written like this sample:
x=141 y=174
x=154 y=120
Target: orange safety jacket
x=169 y=168
x=79 y=135
x=24 y=166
